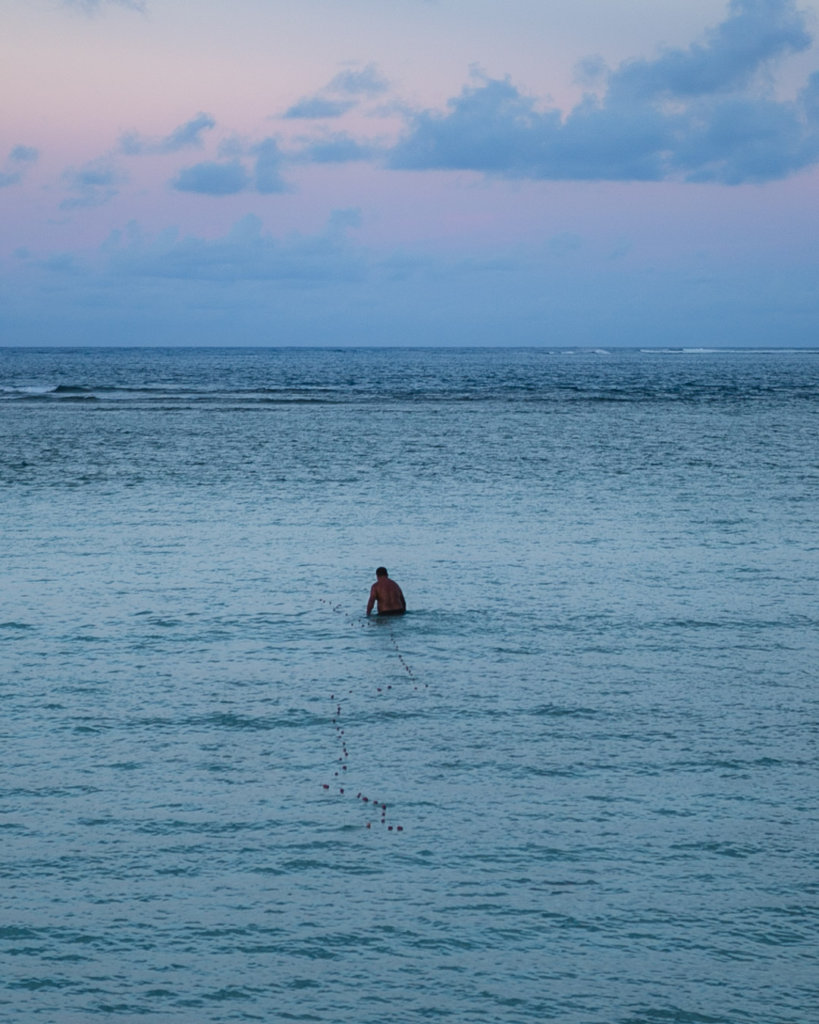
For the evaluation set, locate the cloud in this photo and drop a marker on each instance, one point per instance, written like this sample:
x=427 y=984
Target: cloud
x=24 y=155
x=251 y=287
x=212 y=178
x=185 y=136
x=809 y=99
x=19 y=158
x=316 y=107
x=344 y=92
x=93 y=184
x=269 y=160
x=689 y=114
x=336 y=148
x=739 y=140
x=62 y=263
x=493 y=128
x=367 y=81
x=246 y=253
x=755 y=32
x=228 y=177
x=93 y=6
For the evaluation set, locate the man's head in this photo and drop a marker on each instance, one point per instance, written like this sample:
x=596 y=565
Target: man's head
x=381 y=571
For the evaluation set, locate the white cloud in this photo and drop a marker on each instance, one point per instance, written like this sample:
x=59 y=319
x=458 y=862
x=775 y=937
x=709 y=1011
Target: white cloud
x=187 y=135
x=228 y=177
x=246 y=253
x=366 y=81
x=319 y=107
x=700 y=114
x=269 y=160
x=213 y=178
x=92 y=6
x=343 y=93
x=18 y=160
x=93 y=184
x=336 y=148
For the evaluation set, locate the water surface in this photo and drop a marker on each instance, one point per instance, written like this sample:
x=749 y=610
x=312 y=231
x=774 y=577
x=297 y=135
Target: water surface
x=596 y=728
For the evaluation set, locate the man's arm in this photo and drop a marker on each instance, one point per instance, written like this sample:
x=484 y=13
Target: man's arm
x=371 y=602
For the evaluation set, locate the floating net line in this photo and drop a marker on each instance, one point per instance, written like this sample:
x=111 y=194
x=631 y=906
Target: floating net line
x=340 y=784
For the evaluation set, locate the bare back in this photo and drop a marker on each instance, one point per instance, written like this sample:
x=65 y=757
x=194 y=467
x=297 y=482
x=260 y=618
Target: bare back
x=387 y=595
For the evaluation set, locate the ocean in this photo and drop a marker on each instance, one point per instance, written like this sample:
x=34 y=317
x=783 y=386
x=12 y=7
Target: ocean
x=577 y=782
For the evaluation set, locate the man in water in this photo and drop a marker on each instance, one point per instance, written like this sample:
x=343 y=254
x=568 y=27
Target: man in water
x=386 y=594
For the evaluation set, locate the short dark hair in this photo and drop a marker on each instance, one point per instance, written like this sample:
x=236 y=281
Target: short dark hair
x=381 y=571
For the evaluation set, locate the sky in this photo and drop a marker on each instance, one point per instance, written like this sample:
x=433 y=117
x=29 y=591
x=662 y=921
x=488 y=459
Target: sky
x=409 y=172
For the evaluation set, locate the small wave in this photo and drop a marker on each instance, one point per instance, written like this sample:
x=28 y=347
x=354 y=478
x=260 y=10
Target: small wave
x=720 y=848
x=559 y=711
x=539 y=391
x=166 y=390
x=33 y=390
x=32 y=395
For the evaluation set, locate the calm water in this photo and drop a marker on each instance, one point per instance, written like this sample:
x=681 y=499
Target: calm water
x=595 y=732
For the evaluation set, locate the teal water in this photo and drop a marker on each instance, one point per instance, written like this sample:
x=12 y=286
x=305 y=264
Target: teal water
x=595 y=729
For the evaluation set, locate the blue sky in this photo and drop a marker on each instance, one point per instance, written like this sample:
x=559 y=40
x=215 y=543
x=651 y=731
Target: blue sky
x=434 y=172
